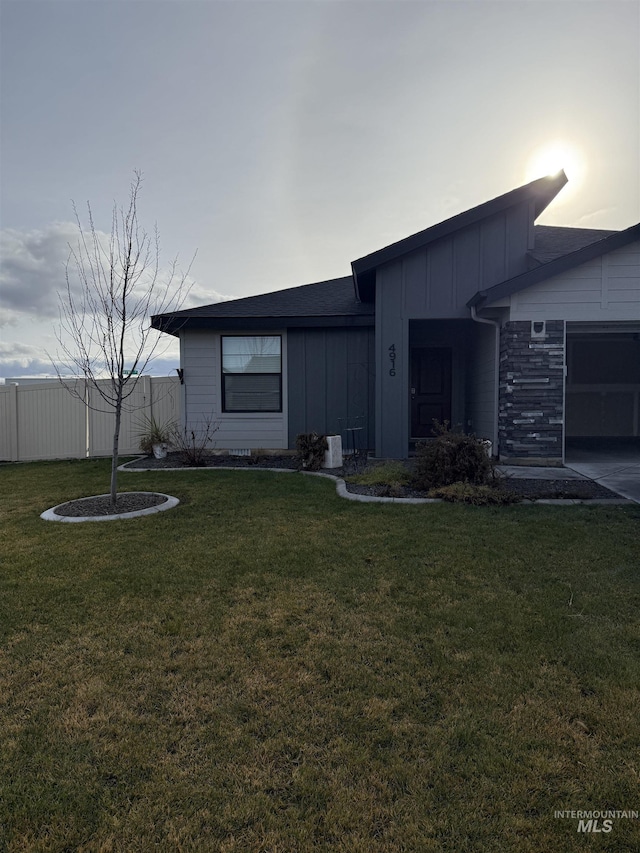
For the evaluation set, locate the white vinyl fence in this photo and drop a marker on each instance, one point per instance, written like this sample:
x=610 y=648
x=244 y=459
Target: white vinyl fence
x=45 y=421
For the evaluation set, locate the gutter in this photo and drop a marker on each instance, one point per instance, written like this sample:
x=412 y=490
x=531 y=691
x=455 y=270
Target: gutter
x=496 y=373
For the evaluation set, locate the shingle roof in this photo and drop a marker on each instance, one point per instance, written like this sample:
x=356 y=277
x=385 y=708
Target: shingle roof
x=552 y=241
x=325 y=299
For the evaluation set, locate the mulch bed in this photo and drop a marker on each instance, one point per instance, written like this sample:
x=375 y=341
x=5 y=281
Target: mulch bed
x=530 y=490
x=101 y=505
x=558 y=489
x=527 y=489
x=174 y=460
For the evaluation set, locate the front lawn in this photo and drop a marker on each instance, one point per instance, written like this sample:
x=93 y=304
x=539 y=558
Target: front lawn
x=268 y=667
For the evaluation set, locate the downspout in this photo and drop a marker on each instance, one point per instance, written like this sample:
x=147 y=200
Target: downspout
x=496 y=374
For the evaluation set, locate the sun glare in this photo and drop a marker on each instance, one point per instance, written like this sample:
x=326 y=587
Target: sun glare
x=551 y=158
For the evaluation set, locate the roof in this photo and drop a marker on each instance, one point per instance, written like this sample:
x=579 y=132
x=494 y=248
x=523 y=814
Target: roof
x=326 y=303
x=349 y=301
x=552 y=241
x=616 y=240
x=542 y=191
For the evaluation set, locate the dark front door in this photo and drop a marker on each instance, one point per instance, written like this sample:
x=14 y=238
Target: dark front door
x=430 y=389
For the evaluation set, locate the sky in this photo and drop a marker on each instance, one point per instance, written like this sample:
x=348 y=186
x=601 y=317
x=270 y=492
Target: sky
x=283 y=139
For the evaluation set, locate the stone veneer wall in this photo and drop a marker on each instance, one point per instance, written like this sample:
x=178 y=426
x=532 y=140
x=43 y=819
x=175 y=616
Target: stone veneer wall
x=531 y=391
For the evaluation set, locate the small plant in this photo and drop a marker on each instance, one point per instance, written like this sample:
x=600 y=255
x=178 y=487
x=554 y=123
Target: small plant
x=153 y=433
x=451 y=457
x=383 y=474
x=468 y=493
x=194 y=444
x=311 y=448
x=389 y=490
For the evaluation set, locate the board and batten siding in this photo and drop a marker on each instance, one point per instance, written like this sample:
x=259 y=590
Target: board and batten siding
x=200 y=357
x=481 y=385
x=331 y=383
x=436 y=281
x=606 y=288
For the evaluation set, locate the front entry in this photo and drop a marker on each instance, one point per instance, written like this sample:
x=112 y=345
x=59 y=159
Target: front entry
x=430 y=389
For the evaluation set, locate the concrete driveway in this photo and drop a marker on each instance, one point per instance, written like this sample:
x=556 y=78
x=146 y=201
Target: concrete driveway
x=618 y=470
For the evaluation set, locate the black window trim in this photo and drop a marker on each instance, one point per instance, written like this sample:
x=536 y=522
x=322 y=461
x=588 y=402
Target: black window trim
x=223 y=374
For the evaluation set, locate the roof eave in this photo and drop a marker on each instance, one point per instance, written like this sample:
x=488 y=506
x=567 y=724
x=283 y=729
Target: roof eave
x=174 y=325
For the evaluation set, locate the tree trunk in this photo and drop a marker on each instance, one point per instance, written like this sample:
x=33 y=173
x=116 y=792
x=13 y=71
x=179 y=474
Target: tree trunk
x=114 y=456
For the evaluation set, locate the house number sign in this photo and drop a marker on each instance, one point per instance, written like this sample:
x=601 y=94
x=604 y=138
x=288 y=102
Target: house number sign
x=392 y=360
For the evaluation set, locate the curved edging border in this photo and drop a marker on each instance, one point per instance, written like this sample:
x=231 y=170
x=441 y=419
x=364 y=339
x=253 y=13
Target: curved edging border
x=341 y=489
x=124 y=468
x=169 y=503
x=343 y=492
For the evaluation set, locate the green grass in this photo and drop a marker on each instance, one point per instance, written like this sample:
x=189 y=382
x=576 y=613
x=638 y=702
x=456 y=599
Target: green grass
x=384 y=473
x=268 y=667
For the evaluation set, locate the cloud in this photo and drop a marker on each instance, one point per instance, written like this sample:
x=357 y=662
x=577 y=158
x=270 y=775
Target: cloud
x=33 y=266
x=19 y=359
x=23 y=359
x=587 y=220
x=32 y=271
x=199 y=294
x=9 y=318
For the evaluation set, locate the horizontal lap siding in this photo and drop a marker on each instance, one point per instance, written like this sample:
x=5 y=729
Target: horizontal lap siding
x=607 y=288
x=200 y=359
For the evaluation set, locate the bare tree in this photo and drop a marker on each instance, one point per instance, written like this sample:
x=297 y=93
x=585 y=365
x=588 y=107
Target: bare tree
x=114 y=284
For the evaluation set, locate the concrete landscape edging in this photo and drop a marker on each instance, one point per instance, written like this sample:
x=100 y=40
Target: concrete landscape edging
x=51 y=515
x=343 y=492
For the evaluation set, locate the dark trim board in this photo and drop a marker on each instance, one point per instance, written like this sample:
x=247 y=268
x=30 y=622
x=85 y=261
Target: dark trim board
x=174 y=327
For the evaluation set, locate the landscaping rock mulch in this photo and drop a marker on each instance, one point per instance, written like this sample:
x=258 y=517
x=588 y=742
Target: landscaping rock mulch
x=527 y=489
x=101 y=505
x=174 y=460
x=558 y=489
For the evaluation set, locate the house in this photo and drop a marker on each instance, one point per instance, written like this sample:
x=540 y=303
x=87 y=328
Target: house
x=523 y=334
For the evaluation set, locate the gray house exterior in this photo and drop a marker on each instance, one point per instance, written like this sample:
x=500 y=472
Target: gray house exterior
x=525 y=335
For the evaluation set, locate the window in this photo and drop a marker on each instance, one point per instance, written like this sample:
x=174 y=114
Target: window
x=251 y=373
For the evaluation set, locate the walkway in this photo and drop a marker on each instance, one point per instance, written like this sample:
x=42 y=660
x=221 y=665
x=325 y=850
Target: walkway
x=618 y=470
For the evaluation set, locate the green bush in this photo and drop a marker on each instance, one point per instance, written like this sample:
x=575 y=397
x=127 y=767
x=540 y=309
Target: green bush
x=468 y=493
x=451 y=457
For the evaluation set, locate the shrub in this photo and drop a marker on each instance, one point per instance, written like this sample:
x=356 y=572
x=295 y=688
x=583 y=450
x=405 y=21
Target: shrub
x=451 y=457
x=389 y=490
x=194 y=445
x=311 y=448
x=468 y=493
x=153 y=432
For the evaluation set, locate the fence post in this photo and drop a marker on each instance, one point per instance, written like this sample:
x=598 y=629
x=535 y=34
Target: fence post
x=13 y=421
x=147 y=394
x=87 y=421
